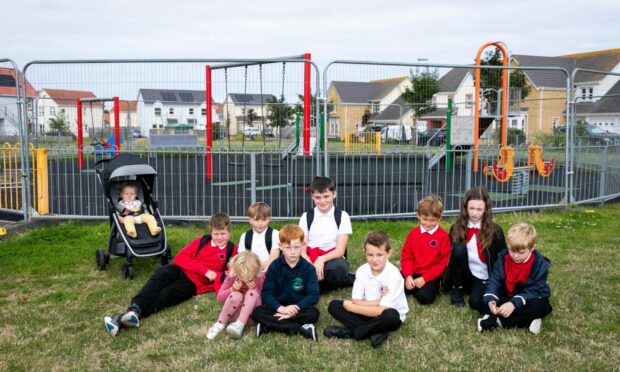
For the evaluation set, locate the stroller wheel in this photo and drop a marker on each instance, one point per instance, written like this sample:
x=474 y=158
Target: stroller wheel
x=101 y=259
x=127 y=270
x=165 y=259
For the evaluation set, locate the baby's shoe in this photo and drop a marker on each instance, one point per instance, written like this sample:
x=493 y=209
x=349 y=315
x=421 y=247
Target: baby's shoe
x=214 y=330
x=235 y=329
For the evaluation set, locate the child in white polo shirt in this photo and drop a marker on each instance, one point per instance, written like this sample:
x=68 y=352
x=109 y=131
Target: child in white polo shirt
x=378 y=303
x=328 y=229
x=261 y=240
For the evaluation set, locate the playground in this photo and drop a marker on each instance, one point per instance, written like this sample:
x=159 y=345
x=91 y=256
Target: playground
x=52 y=306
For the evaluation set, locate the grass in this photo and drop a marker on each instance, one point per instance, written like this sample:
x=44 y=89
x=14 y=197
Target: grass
x=53 y=300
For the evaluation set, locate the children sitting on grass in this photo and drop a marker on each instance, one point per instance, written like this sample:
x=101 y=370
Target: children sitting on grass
x=240 y=294
x=198 y=268
x=290 y=291
x=517 y=292
x=327 y=230
x=378 y=304
x=426 y=252
x=261 y=239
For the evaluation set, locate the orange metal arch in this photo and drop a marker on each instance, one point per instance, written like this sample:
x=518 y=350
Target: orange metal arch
x=498 y=45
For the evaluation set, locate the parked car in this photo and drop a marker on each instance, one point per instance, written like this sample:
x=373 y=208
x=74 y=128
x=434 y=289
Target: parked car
x=365 y=133
x=396 y=133
x=434 y=137
x=135 y=133
x=268 y=132
x=595 y=135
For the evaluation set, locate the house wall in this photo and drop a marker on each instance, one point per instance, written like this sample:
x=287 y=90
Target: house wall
x=349 y=115
x=235 y=110
x=147 y=119
x=543 y=106
x=9 y=125
x=47 y=109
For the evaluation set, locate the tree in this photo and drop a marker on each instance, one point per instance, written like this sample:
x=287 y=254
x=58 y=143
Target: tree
x=279 y=114
x=424 y=85
x=491 y=78
x=251 y=116
x=366 y=116
x=60 y=124
x=299 y=107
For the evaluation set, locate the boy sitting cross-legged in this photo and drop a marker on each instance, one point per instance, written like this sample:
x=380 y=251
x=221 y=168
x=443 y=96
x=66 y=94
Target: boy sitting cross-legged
x=290 y=290
x=517 y=292
x=378 y=303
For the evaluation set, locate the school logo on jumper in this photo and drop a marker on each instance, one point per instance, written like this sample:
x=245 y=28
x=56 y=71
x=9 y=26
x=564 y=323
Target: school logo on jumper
x=298 y=284
x=433 y=243
x=221 y=256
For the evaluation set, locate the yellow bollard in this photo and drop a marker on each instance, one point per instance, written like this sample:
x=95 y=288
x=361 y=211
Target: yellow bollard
x=41 y=180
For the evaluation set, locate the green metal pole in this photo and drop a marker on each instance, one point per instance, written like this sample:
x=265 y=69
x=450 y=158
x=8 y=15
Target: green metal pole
x=448 y=147
x=322 y=131
x=297 y=128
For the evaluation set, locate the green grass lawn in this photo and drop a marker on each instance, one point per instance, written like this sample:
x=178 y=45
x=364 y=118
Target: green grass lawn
x=53 y=299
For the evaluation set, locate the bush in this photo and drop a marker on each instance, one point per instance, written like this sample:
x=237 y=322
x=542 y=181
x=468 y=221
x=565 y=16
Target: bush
x=514 y=136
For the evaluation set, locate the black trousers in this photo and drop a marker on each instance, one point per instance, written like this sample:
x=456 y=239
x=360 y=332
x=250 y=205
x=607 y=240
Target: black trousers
x=335 y=275
x=425 y=295
x=290 y=326
x=533 y=309
x=459 y=275
x=168 y=286
x=364 y=326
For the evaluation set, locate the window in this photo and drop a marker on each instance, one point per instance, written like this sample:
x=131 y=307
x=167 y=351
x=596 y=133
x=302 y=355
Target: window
x=514 y=123
x=191 y=111
x=583 y=93
x=171 y=110
x=192 y=121
x=555 y=121
x=157 y=111
x=376 y=106
x=469 y=100
x=590 y=92
x=203 y=111
x=52 y=111
x=154 y=126
x=334 y=124
x=41 y=111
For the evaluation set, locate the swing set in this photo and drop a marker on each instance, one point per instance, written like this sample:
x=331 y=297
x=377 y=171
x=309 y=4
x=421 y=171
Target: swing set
x=503 y=170
x=101 y=147
x=245 y=65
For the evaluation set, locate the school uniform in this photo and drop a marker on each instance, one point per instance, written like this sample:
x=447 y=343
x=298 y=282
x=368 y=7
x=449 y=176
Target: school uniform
x=259 y=245
x=285 y=285
x=471 y=264
x=322 y=238
x=367 y=287
x=524 y=285
x=425 y=254
x=184 y=278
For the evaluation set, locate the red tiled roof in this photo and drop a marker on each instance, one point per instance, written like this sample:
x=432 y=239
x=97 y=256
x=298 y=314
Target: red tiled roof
x=68 y=97
x=10 y=91
x=133 y=105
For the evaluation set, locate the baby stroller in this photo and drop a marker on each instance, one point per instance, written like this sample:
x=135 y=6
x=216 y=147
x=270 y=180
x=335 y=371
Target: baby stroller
x=112 y=175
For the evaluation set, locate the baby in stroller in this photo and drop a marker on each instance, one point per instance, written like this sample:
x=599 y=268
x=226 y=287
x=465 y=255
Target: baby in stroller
x=131 y=211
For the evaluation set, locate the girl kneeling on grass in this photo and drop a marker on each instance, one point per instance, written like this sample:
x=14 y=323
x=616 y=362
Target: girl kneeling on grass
x=241 y=293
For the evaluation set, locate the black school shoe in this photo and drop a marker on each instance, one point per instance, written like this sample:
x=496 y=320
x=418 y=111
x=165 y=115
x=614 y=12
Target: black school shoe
x=488 y=323
x=309 y=332
x=456 y=297
x=337 y=332
x=377 y=339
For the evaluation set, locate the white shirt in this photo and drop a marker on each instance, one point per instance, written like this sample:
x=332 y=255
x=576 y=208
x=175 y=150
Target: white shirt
x=367 y=287
x=431 y=231
x=476 y=266
x=259 y=247
x=324 y=233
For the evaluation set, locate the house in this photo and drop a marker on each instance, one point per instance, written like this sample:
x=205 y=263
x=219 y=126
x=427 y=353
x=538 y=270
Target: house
x=127 y=114
x=604 y=112
x=9 y=116
x=457 y=84
x=546 y=103
x=355 y=103
x=240 y=110
x=158 y=108
x=56 y=103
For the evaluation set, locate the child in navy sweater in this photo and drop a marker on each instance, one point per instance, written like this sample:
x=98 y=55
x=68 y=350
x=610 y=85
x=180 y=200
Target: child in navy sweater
x=517 y=292
x=290 y=291
x=426 y=252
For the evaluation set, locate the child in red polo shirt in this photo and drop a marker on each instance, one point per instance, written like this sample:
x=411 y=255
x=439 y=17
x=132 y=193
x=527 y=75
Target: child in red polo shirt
x=198 y=268
x=426 y=252
x=517 y=292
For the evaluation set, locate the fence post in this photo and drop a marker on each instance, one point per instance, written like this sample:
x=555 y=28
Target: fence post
x=603 y=173
x=468 y=170
x=253 y=177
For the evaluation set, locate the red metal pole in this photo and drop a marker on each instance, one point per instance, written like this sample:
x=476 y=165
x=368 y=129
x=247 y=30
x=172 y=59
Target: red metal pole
x=79 y=135
x=307 y=105
x=117 y=128
x=209 y=126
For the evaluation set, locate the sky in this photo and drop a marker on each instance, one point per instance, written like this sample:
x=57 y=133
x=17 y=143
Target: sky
x=441 y=31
